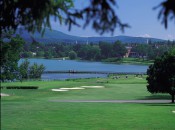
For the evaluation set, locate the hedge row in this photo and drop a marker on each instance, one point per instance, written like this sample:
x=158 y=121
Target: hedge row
x=21 y=87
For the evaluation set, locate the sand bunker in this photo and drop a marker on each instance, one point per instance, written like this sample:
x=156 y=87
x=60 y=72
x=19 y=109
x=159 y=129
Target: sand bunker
x=66 y=89
x=58 y=90
x=173 y=111
x=71 y=88
x=75 y=88
x=3 y=94
x=92 y=86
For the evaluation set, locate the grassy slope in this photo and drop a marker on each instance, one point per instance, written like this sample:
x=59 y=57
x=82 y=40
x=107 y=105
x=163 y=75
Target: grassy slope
x=136 y=61
x=130 y=60
x=31 y=109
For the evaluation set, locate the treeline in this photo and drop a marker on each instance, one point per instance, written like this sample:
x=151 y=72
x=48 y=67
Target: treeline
x=152 y=50
x=96 y=52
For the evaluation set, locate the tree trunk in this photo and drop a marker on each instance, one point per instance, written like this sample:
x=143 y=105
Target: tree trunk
x=172 y=98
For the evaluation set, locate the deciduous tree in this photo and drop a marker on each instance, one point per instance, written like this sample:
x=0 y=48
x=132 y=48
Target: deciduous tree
x=161 y=75
x=119 y=49
x=72 y=55
x=10 y=55
x=24 y=69
x=35 y=71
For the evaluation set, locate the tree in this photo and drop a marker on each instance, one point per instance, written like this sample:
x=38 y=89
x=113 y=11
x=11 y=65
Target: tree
x=167 y=11
x=35 y=71
x=106 y=49
x=95 y=52
x=26 y=54
x=119 y=49
x=161 y=75
x=151 y=53
x=91 y=52
x=24 y=69
x=35 y=14
x=47 y=54
x=10 y=55
x=82 y=53
x=72 y=55
x=40 y=53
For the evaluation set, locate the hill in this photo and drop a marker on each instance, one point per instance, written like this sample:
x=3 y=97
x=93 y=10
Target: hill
x=57 y=36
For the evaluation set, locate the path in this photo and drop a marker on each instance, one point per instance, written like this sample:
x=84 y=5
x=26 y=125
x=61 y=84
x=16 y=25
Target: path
x=114 y=101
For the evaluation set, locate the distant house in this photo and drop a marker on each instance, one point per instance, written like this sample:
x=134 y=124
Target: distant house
x=33 y=53
x=133 y=54
x=130 y=53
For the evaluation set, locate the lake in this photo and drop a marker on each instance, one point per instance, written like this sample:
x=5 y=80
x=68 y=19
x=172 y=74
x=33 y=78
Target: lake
x=66 y=65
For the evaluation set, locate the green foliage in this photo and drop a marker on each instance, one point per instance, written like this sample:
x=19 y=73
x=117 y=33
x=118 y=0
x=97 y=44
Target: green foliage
x=34 y=15
x=119 y=49
x=141 y=49
x=26 y=55
x=112 y=50
x=97 y=51
x=89 y=52
x=112 y=60
x=151 y=51
x=136 y=61
x=161 y=74
x=26 y=71
x=47 y=55
x=172 y=51
x=23 y=69
x=72 y=55
x=36 y=70
x=21 y=87
x=10 y=55
x=40 y=54
x=105 y=49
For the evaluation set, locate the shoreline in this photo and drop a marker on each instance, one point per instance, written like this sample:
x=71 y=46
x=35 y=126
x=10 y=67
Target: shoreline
x=102 y=61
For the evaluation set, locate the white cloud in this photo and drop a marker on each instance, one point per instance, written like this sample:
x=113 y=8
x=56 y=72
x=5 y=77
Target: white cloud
x=145 y=35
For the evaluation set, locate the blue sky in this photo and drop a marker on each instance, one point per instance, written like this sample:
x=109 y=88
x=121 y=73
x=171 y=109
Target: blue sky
x=139 y=14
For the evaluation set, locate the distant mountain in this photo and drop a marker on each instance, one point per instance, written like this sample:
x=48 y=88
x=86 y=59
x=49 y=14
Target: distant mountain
x=57 y=36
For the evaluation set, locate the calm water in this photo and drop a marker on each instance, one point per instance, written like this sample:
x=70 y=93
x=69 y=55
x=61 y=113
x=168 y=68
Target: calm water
x=65 y=65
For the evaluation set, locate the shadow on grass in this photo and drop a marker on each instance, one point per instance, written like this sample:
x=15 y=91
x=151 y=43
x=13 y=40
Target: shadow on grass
x=152 y=97
x=158 y=97
x=161 y=104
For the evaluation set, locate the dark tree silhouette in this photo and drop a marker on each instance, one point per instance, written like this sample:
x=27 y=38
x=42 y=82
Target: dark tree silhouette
x=167 y=11
x=35 y=15
x=161 y=75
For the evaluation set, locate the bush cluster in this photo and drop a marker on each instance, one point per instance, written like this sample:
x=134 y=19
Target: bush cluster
x=22 y=87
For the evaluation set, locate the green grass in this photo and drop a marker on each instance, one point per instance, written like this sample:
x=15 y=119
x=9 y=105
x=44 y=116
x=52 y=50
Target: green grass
x=32 y=109
x=129 y=61
x=136 y=61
